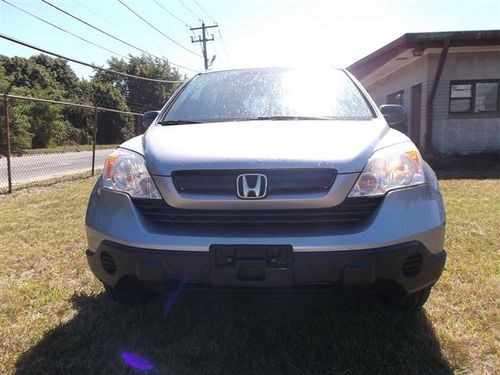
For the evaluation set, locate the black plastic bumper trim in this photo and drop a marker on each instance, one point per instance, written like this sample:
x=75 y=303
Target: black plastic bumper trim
x=367 y=267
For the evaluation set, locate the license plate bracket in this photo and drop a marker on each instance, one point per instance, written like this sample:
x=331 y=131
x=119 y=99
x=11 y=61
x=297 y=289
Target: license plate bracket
x=251 y=265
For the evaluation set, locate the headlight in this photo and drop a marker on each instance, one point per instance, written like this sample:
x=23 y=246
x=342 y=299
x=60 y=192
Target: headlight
x=390 y=168
x=126 y=171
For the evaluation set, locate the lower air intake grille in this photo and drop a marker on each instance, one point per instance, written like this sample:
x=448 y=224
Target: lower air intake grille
x=352 y=210
x=412 y=265
x=108 y=263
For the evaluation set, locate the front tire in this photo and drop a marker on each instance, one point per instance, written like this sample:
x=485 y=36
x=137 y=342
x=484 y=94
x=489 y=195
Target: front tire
x=128 y=296
x=411 y=302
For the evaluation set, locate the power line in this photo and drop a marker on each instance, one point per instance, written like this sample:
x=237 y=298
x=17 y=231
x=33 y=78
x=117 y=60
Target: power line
x=169 y=12
x=193 y=35
x=112 y=36
x=203 y=40
x=216 y=53
x=224 y=46
x=158 y=30
x=220 y=33
x=30 y=98
x=204 y=11
x=17 y=41
x=190 y=11
x=95 y=13
x=66 y=31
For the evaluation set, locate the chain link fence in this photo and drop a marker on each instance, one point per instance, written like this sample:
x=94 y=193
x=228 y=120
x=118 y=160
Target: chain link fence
x=79 y=149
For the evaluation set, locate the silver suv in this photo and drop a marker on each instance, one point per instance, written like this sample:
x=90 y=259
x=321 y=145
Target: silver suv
x=269 y=178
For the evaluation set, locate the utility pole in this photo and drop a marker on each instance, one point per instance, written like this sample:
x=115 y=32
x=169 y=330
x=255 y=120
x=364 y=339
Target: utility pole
x=203 y=39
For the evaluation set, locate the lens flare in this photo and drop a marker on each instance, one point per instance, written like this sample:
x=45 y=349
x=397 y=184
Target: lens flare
x=172 y=298
x=137 y=362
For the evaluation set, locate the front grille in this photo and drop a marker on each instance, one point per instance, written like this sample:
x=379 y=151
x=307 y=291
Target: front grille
x=352 y=210
x=280 y=181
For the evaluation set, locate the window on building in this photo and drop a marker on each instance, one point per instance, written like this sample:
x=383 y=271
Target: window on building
x=474 y=97
x=395 y=98
x=486 y=98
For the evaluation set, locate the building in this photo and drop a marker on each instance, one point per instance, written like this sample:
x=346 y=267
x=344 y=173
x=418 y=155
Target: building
x=449 y=83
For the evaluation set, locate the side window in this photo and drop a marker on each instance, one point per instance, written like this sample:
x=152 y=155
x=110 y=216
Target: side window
x=474 y=97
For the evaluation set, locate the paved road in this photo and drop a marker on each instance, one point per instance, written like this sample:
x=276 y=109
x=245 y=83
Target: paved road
x=33 y=168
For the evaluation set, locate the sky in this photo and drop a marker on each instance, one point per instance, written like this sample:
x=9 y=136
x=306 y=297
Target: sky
x=254 y=32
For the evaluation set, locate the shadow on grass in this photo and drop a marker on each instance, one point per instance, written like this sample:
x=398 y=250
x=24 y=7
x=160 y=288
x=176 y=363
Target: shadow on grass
x=246 y=334
x=474 y=167
x=468 y=175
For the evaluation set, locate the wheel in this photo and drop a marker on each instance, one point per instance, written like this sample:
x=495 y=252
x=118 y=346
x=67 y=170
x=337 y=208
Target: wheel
x=128 y=296
x=413 y=301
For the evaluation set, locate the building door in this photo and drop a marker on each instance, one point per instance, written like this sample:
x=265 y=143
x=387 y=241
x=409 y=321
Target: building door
x=416 y=108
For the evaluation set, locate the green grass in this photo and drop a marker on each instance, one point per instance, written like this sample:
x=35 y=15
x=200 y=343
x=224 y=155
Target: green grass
x=54 y=317
x=67 y=148
x=50 y=181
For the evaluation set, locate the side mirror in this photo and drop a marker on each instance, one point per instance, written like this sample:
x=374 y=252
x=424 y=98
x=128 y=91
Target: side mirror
x=148 y=117
x=394 y=114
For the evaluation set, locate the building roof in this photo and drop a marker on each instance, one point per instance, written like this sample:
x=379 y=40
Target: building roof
x=419 y=42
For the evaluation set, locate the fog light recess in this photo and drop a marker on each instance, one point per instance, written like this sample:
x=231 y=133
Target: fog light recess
x=412 y=265
x=108 y=263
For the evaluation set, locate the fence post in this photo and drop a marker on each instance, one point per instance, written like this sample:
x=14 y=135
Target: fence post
x=7 y=140
x=94 y=136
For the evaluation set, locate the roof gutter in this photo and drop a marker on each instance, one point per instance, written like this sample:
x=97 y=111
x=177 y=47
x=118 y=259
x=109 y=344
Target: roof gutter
x=432 y=95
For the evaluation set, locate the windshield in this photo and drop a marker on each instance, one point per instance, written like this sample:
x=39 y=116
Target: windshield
x=269 y=94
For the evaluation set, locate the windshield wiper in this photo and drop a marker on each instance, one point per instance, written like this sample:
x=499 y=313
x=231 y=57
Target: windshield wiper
x=284 y=118
x=178 y=122
x=258 y=118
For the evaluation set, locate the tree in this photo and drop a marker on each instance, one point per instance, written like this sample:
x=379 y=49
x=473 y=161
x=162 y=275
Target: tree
x=48 y=125
x=142 y=95
x=20 y=136
x=111 y=127
x=39 y=125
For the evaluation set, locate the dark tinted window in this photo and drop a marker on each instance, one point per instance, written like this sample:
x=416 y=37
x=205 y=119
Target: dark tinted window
x=474 y=97
x=247 y=94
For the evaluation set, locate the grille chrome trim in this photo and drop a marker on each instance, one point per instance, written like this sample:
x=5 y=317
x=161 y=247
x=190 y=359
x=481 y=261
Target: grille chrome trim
x=333 y=197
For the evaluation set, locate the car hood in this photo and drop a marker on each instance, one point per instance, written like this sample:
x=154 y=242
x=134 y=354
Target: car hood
x=249 y=145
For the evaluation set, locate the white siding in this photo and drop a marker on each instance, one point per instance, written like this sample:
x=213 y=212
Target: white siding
x=404 y=79
x=454 y=134
x=451 y=134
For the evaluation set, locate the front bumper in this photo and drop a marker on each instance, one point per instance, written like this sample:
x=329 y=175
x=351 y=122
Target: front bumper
x=412 y=214
x=406 y=267
x=407 y=222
